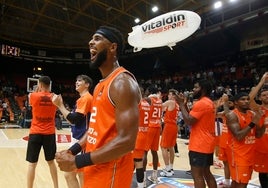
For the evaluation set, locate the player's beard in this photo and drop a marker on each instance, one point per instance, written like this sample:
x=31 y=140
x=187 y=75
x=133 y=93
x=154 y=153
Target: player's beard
x=101 y=57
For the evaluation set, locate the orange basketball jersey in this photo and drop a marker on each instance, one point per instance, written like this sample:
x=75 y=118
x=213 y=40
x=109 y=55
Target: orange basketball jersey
x=144 y=108
x=155 y=112
x=102 y=129
x=243 y=150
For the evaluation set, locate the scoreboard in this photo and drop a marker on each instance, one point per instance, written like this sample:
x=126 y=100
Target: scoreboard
x=10 y=50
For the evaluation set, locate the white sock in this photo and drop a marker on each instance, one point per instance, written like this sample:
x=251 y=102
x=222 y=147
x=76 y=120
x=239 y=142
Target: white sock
x=154 y=173
x=227 y=182
x=167 y=167
x=170 y=166
x=140 y=185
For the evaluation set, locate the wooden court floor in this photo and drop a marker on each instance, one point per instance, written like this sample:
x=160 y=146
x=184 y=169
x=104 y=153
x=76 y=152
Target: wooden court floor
x=13 y=166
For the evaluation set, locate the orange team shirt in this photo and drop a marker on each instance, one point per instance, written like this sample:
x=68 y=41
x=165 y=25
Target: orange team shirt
x=155 y=112
x=243 y=151
x=43 y=110
x=83 y=104
x=144 y=108
x=262 y=143
x=102 y=129
x=226 y=135
x=202 y=138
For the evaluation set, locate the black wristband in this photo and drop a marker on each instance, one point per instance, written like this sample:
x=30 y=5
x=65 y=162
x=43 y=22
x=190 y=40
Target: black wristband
x=76 y=148
x=252 y=125
x=83 y=160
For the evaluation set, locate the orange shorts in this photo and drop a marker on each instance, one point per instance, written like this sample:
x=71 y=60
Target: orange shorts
x=223 y=154
x=153 y=137
x=261 y=162
x=169 y=136
x=241 y=174
x=138 y=153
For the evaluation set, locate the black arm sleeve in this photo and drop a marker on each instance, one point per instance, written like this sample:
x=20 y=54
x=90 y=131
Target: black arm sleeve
x=76 y=118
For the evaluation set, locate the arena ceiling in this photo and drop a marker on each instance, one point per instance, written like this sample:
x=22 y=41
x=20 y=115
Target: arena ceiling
x=69 y=23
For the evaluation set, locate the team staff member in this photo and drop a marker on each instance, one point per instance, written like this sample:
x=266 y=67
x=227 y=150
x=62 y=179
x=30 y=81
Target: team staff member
x=111 y=136
x=169 y=133
x=79 y=119
x=244 y=126
x=261 y=147
x=42 y=130
x=202 y=140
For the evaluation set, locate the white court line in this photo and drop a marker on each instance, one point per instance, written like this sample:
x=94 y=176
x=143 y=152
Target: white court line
x=4 y=135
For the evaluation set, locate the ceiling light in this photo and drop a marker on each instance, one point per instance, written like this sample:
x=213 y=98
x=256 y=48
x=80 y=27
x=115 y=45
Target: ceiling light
x=217 y=4
x=155 y=9
x=137 y=20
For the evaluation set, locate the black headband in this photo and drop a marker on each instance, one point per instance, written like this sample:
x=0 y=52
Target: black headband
x=110 y=35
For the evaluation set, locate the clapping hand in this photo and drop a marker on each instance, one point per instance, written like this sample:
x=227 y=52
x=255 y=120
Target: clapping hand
x=65 y=160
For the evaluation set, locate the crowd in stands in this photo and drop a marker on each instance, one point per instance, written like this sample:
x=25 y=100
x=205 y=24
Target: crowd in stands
x=227 y=78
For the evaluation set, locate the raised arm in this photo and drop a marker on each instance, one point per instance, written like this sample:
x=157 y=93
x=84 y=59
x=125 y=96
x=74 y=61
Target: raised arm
x=253 y=93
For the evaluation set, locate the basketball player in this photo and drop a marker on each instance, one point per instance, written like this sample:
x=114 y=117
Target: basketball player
x=261 y=148
x=138 y=153
x=111 y=136
x=224 y=138
x=42 y=130
x=201 y=118
x=244 y=126
x=79 y=119
x=169 y=133
x=154 y=130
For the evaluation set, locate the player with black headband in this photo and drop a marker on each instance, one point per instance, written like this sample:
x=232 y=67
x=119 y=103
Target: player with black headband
x=114 y=120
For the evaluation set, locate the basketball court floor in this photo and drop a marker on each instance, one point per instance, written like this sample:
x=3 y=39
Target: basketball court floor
x=13 y=171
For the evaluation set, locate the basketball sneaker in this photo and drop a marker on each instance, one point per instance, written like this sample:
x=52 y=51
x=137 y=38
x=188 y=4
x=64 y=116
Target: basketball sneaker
x=166 y=173
x=153 y=179
x=188 y=172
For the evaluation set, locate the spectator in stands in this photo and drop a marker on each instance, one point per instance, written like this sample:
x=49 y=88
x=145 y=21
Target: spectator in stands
x=58 y=120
